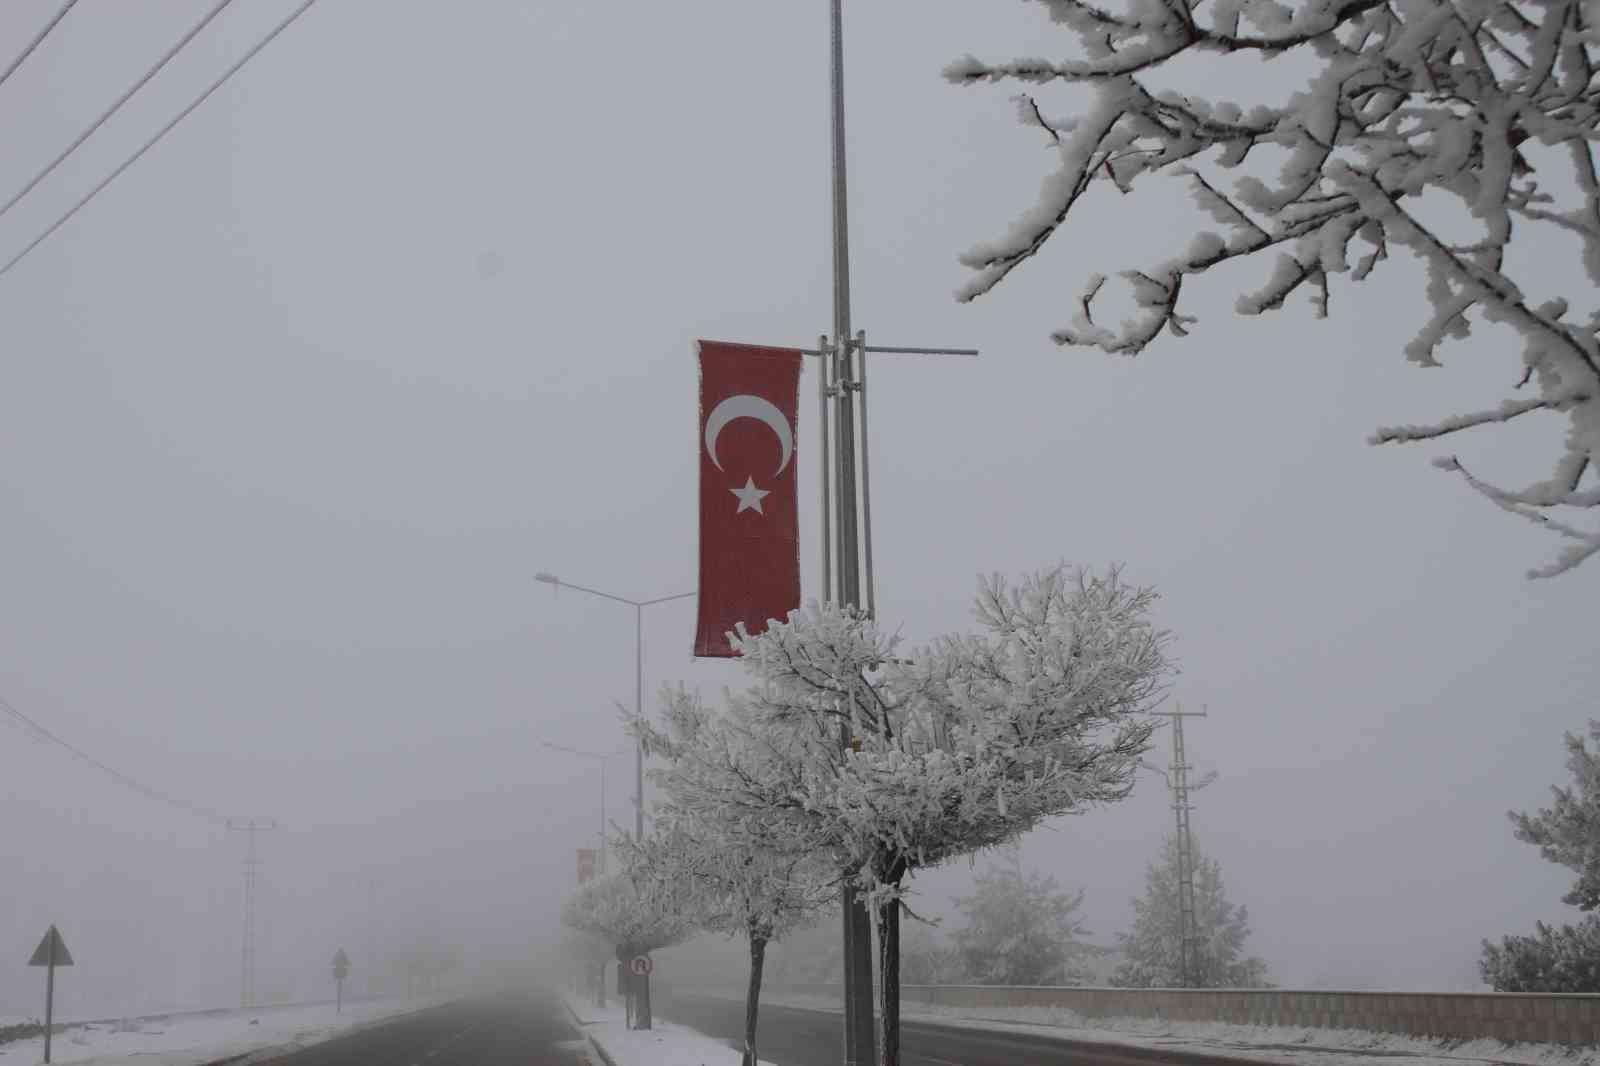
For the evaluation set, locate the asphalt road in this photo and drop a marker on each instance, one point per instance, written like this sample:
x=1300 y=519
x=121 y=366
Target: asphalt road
x=790 y=1036
x=525 y=1029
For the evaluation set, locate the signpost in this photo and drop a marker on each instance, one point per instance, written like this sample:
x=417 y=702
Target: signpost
x=341 y=970
x=585 y=864
x=639 y=968
x=51 y=952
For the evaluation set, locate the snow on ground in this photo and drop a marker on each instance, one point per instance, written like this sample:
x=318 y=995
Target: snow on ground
x=667 y=1044
x=190 y=1041
x=1259 y=1043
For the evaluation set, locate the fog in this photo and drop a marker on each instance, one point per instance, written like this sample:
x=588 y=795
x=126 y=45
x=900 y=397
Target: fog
x=291 y=415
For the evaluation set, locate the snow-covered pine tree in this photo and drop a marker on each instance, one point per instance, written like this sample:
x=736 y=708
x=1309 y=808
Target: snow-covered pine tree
x=1021 y=929
x=1565 y=959
x=1152 y=949
x=629 y=920
x=1552 y=960
x=738 y=882
x=1568 y=831
x=889 y=762
x=1460 y=131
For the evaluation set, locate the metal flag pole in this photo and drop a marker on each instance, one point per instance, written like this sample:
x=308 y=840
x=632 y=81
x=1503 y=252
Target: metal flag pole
x=847 y=542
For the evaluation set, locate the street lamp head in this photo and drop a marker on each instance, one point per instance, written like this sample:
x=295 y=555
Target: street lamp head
x=547 y=577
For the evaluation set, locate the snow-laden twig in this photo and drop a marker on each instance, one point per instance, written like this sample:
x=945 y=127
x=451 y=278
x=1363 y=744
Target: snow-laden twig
x=1428 y=97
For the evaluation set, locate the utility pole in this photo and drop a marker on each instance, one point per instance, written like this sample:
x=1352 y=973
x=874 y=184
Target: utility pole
x=1180 y=786
x=847 y=532
x=372 y=938
x=247 y=976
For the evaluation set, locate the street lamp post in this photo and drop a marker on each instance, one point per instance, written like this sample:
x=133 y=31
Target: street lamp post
x=638 y=679
x=601 y=759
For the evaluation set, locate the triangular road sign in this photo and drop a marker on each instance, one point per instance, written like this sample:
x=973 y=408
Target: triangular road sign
x=42 y=955
x=340 y=958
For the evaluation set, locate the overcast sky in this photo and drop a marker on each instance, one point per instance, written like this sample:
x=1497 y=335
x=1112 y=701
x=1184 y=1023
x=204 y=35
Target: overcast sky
x=291 y=415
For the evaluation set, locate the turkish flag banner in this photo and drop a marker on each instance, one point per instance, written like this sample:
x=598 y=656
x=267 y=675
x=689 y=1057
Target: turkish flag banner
x=749 y=510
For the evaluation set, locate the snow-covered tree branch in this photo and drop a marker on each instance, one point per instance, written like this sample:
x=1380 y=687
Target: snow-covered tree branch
x=886 y=762
x=1471 y=101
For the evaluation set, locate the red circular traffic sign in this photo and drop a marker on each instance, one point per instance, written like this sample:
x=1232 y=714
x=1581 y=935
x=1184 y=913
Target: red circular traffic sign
x=640 y=966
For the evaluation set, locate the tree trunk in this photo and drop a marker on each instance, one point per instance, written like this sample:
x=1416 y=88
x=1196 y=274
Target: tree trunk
x=752 y=998
x=889 y=981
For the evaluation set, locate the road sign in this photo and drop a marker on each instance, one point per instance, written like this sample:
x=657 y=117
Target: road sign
x=51 y=952
x=640 y=966
x=585 y=864
x=341 y=970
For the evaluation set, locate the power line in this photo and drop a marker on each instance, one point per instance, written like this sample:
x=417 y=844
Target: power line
x=194 y=31
x=39 y=732
x=37 y=41
x=151 y=143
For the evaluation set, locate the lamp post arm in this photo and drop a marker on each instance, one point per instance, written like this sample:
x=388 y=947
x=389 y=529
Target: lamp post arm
x=664 y=599
x=558 y=583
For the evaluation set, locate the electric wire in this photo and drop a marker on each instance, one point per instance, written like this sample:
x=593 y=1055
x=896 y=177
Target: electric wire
x=37 y=41
x=151 y=143
x=205 y=20
x=39 y=732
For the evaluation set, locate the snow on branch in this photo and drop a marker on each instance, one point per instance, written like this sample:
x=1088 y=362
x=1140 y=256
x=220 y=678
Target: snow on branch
x=1441 y=97
x=889 y=762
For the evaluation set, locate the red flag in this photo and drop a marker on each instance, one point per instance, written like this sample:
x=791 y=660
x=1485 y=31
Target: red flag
x=749 y=513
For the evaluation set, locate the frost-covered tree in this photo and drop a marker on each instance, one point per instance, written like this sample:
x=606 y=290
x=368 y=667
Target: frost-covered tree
x=925 y=957
x=1152 y=950
x=1552 y=960
x=737 y=883
x=631 y=920
x=1461 y=131
x=1565 y=959
x=887 y=762
x=1568 y=831
x=808 y=956
x=1021 y=929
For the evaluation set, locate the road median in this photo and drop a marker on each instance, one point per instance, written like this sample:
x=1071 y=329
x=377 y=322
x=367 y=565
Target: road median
x=667 y=1044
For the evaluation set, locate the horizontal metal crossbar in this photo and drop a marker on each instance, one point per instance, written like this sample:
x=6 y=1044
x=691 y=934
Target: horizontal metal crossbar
x=880 y=350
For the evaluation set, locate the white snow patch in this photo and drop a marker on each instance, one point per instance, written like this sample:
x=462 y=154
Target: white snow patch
x=667 y=1044
x=190 y=1041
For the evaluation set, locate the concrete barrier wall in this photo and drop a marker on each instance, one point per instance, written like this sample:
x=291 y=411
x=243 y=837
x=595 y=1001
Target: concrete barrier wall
x=1510 y=1017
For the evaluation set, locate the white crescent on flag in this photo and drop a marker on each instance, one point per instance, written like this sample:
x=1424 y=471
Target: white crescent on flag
x=746 y=406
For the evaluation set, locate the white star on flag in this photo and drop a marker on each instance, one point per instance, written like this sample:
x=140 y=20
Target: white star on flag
x=750 y=496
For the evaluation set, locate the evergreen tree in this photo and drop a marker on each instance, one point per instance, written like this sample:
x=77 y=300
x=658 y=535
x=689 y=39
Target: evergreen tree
x=1552 y=960
x=1568 y=832
x=1152 y=950
x=1022 y=929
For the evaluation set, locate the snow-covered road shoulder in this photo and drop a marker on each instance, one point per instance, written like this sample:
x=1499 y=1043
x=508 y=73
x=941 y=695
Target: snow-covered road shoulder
x=667 y=1044
x=197 y=1040
x=1252 y=1043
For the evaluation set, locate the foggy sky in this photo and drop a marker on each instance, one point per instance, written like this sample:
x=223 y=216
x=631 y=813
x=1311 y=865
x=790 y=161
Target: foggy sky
x=291 y=415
